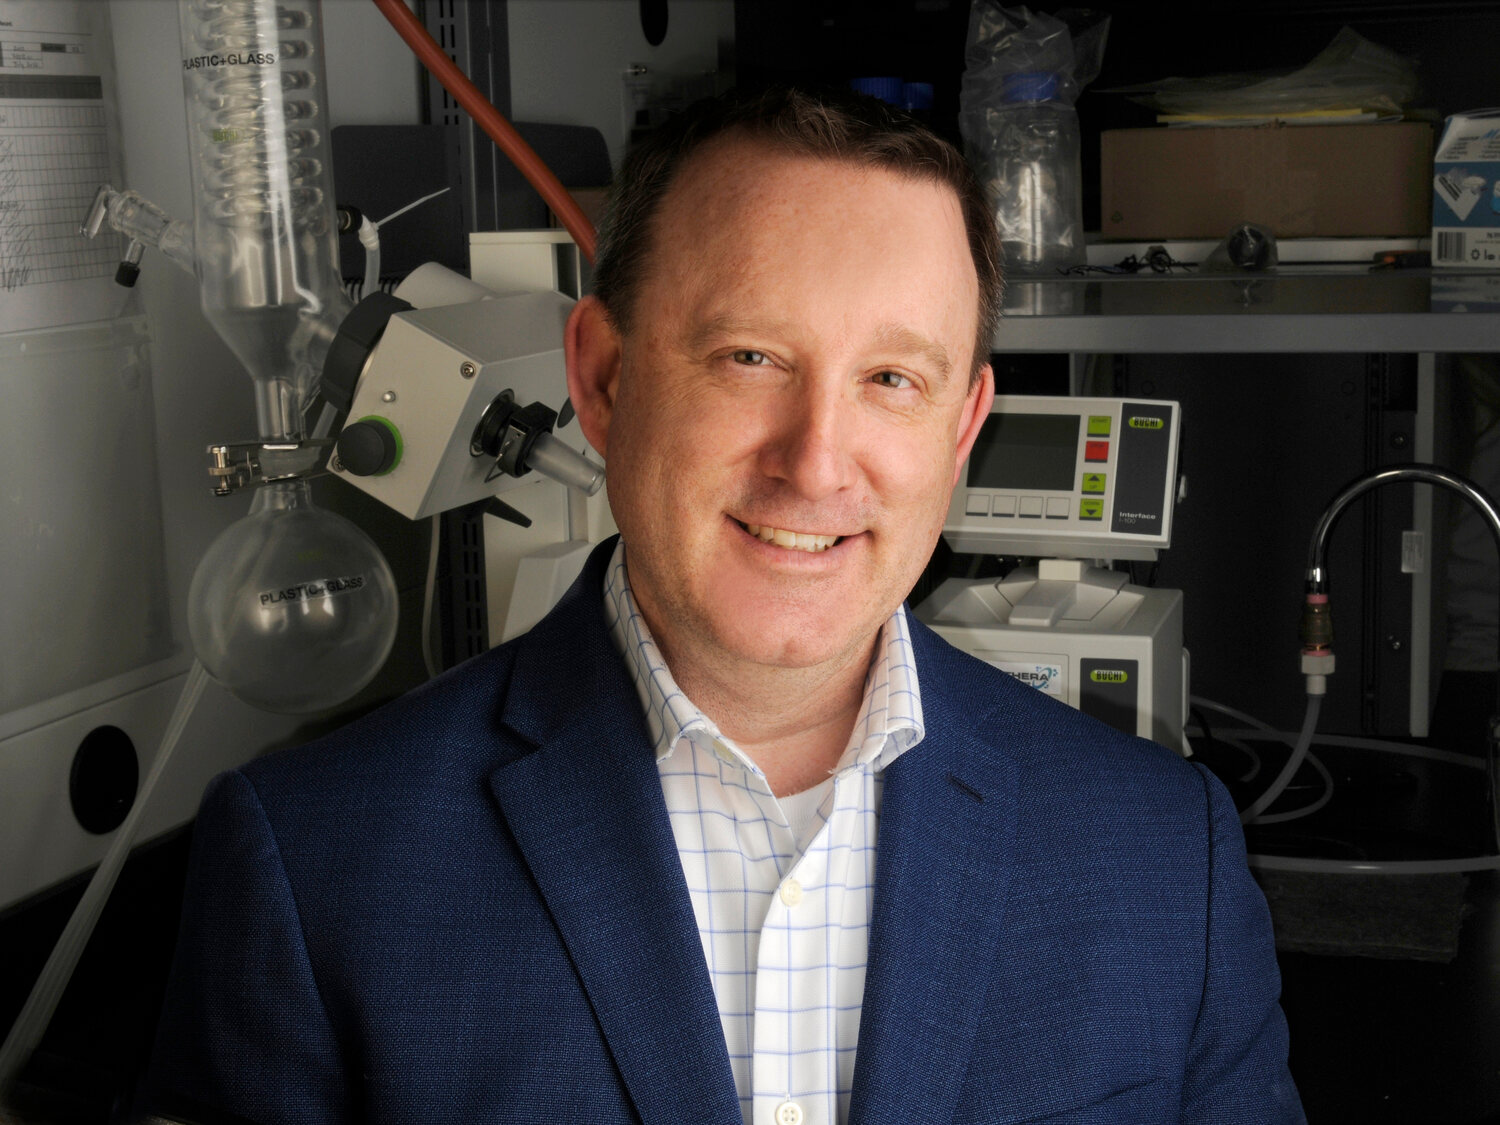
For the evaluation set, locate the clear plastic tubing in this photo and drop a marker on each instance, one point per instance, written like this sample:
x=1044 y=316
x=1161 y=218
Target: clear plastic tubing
x=265 y=240
x=1375 y=867
x=1293 y=763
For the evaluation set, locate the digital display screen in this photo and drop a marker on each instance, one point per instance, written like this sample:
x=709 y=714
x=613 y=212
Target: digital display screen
x=1026 y=451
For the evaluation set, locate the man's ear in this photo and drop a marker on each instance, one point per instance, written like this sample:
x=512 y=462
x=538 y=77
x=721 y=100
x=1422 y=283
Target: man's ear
x=976 y=410
x=593 y=350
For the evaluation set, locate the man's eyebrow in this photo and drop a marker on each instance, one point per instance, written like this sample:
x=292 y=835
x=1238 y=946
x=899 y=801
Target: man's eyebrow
x=713 y=330
x=899 y=338
x=895 y=338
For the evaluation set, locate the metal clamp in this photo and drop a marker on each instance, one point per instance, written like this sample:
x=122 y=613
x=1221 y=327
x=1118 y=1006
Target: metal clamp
x=242 y=464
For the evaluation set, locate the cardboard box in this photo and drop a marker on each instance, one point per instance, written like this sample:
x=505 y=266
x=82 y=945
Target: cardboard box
x=1466 y=192
x=1301 y=181
x=1465 y=293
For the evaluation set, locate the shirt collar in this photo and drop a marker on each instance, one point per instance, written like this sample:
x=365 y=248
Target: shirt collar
x=890 y=717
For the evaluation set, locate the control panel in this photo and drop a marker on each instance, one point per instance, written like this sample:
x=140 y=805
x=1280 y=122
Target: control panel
x=1068 y=477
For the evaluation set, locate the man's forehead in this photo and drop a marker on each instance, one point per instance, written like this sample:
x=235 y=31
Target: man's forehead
x=728 y=154
x=743 y=213
x=735 y=166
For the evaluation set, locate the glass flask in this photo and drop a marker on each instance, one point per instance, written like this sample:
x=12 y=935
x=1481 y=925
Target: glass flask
x=293 y=608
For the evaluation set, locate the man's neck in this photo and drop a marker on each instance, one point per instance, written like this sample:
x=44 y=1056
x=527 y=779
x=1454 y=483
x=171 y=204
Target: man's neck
x=794 y=723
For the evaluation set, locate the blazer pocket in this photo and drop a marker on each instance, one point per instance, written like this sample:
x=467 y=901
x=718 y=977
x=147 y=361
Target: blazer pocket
x=1139 y=1104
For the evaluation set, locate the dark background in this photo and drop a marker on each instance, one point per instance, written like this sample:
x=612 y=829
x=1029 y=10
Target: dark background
x=1385 y=1025
x=1453 y=44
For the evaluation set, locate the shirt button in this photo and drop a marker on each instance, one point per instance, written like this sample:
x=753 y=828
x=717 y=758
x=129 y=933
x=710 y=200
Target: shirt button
x=789 y=1113
x=791 y=894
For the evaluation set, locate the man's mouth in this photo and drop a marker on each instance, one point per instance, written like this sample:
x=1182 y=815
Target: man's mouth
x=792 y=540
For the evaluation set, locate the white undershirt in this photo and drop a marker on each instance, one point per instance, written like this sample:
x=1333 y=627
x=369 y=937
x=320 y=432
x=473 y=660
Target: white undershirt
x=800 y=809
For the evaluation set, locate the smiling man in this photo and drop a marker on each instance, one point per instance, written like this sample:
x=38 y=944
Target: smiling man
x=729 y=837
x=784 y=393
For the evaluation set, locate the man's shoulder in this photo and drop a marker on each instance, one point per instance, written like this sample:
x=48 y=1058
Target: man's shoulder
x=472 y=719
x=1051 y=743
x=452 y=718
x=1088 y=800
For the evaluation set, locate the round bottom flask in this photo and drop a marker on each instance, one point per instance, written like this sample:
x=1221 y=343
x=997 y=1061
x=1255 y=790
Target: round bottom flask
x=293 y=608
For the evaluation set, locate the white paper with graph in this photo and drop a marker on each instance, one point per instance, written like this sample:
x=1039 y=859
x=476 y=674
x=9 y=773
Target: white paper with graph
x=59 y=140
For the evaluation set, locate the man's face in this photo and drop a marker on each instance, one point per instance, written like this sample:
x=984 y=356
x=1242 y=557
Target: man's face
x=784 y=421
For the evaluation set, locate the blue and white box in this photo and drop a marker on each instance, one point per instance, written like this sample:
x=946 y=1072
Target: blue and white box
x=1466 y=192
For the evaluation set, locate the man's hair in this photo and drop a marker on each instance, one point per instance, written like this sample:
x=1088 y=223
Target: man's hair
x=828 y=124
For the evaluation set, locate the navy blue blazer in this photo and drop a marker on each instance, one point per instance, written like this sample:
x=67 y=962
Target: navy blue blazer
x=468 y=907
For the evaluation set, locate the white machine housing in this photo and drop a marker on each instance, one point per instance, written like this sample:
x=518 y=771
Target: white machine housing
x=1084 y=478
x=1074 y=477
x=1082 y=635
x=432 y=375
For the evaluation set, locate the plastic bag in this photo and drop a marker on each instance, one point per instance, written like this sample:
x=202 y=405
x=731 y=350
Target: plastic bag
x=1023 y=73
x=1351 y=73
x=1006 y=42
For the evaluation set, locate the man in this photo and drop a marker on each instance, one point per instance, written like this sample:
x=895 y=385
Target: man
x=729 y=836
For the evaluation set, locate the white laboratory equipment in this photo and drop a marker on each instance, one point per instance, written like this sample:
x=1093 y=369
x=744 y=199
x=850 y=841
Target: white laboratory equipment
x=454 y=390
x=1069 y=480
x=454 y=403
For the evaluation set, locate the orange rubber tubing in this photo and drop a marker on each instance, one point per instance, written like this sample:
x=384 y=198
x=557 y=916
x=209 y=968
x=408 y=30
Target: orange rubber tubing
x=490 y=119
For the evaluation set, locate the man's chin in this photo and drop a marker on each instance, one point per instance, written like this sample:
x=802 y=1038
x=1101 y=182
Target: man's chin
x=785 y=640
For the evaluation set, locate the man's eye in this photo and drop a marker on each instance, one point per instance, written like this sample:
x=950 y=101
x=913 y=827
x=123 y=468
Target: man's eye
x=750 y=358
x=893 y=379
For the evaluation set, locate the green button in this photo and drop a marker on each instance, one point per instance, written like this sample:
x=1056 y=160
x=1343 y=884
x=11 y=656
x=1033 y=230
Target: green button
x=1093 y=482
x=1099 y=425
x=1091 y=509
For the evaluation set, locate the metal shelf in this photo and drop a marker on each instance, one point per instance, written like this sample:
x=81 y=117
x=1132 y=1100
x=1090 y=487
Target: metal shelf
x=1298 y=309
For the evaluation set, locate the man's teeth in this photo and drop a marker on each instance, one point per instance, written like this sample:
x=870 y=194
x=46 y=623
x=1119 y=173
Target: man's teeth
x=796 y=540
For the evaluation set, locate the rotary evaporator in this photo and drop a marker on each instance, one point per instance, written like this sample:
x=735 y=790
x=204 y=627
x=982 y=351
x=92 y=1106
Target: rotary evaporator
x=293 y=608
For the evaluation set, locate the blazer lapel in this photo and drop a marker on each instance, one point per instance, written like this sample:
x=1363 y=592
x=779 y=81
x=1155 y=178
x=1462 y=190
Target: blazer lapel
x=587 y=812
x=947 y=822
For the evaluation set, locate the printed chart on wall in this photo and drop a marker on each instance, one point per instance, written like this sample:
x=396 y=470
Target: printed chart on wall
x=59 y=140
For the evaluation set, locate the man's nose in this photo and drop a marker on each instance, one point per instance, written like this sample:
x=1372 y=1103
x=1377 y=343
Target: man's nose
x=813 y=446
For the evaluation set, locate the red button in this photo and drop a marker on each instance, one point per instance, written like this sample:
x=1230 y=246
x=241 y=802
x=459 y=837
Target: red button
x=1096 y=451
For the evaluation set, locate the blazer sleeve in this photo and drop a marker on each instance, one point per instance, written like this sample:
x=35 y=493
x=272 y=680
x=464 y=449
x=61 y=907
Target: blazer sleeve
x=244 y=1034
x=1237 y=1059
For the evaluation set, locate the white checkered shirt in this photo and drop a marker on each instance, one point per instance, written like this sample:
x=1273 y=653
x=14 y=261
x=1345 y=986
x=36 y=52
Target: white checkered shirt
x=784 y=916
